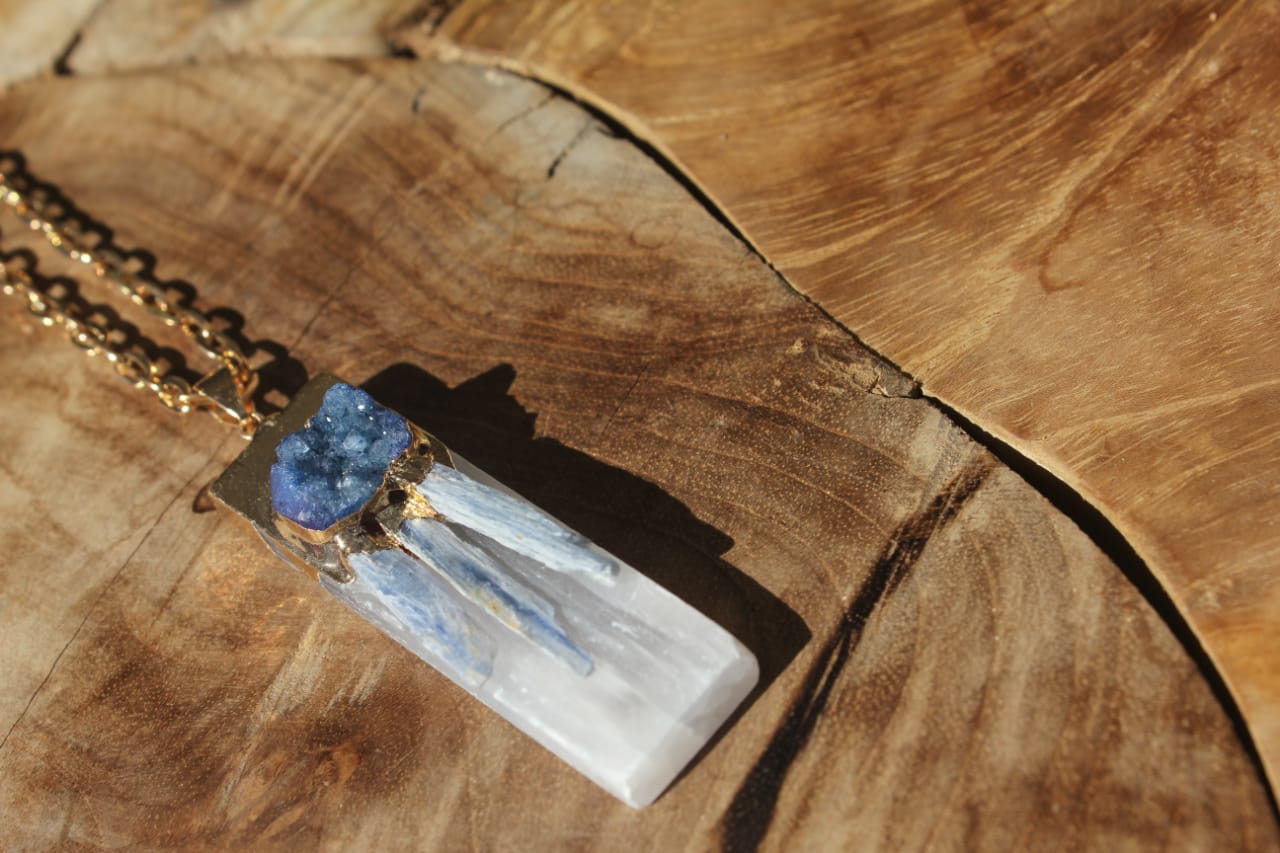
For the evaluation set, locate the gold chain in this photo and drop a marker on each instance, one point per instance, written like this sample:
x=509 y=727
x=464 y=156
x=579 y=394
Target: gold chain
x=226 y=392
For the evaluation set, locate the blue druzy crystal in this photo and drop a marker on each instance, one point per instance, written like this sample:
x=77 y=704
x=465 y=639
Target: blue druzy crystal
x=332 y=466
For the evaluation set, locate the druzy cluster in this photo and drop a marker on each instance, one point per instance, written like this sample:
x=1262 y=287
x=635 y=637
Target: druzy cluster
x=336 y=462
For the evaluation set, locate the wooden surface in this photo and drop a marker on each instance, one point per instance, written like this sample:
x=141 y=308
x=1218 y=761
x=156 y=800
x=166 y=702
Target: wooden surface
x=948 y=661
x=1062 y=218
x=37 y=34
x=41 y=37
x=126 y=34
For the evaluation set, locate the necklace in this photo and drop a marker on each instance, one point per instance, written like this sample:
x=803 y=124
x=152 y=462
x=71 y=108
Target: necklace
x=600 y=665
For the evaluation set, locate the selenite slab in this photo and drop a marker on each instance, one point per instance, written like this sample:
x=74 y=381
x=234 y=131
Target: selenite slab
x=663 y=679
x=600 y=665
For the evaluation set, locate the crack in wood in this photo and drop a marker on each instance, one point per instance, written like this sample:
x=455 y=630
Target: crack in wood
x=719 y=350
x=750 y=814
x=569 y=146
x=1107 y=537
x=106 y=587
x=1090 y=519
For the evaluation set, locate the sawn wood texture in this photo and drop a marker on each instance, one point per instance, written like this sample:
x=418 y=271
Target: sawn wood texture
x=1062 y=218
x=35 y=34
x=125 y=34
x=948 y=660
x=42 y=37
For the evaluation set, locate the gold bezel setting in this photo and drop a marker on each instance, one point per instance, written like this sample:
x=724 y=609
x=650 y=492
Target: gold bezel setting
x=369 y=528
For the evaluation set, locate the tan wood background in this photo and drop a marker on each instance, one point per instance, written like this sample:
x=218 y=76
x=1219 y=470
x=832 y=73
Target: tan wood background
x=949 y=660
x=1062 y=218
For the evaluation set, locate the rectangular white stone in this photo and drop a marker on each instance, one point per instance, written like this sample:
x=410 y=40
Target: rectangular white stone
x=663 y=677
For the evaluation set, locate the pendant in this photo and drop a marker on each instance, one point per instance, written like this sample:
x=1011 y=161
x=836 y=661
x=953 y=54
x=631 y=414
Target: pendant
x=593 y=660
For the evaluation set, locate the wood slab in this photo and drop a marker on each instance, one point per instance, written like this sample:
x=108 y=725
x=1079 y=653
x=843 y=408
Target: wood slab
x=948 y=661
x=1063 y=219
x=36 y=34
x=41 y=37
x=127 y=34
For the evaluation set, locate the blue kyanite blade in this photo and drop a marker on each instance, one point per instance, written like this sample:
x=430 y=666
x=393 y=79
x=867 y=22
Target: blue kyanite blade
x=333 y=465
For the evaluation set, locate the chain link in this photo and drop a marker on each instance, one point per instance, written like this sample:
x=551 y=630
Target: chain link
x=134 y=367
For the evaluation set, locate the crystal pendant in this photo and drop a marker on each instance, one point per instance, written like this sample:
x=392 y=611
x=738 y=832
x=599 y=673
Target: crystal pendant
x=593 y=660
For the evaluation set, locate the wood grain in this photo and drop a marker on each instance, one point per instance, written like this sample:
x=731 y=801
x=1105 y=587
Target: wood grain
x=1062 y=218
x=97 y=36
x=37 y=33
x=948 y=660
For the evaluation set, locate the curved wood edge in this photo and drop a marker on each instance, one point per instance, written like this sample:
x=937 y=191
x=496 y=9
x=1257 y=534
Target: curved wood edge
x=1170 y=445
x=482 y=251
